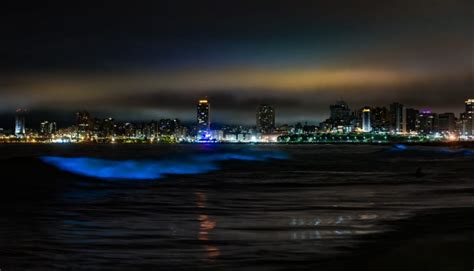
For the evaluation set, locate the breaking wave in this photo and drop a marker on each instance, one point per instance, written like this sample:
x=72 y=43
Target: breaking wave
x=151 y=169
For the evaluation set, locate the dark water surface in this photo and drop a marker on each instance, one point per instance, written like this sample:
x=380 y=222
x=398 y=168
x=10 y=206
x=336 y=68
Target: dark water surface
x=230 y=206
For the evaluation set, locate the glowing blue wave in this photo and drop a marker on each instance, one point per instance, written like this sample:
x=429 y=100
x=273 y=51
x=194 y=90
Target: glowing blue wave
x=151 y=169
x=399 y=147
x=448 y=151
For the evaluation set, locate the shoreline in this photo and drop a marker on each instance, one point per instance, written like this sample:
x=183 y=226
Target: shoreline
x=452 y=144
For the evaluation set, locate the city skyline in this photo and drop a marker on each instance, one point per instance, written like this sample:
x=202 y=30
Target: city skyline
x=143 y=61
x=348 y=110
x=375 y=124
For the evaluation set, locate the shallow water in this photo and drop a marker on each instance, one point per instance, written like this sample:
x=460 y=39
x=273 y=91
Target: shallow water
x=305 y=204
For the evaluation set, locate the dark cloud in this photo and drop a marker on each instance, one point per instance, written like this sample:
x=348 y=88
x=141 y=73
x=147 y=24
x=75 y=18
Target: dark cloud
x=156 y=58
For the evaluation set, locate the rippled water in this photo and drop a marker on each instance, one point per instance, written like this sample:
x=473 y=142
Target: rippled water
x=291 y=205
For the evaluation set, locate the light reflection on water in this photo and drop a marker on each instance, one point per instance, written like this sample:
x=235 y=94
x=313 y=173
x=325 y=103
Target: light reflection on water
x=206 y=225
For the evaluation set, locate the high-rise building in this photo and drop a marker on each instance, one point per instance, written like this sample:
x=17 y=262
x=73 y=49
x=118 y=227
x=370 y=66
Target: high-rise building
x=48 y=127
x=265 y=118
x=397 y=118
x=20 y=122
x=447 y=122
x=203 y=117
x=412 y=120
x=340 y=112
x=366 y=127
x=380 y=119
x=83 y=121
x=467 y=118
x=428 y=122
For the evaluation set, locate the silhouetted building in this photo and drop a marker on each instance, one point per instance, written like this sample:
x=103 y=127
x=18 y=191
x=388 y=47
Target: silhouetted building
x=397 y=118
x=20 y=122
x=447 y=122
x=265 y=119
x=108 y=127
x=412 y=120
x=380 y=118
x=203 y=117
x=366 y=127
x=309 y=129
x=340 y=112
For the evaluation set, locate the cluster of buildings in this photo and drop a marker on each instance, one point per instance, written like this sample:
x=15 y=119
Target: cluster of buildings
x=398 y=119
x=367 y=124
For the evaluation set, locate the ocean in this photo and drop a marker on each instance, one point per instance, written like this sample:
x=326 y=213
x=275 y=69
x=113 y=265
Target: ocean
x=235 y=207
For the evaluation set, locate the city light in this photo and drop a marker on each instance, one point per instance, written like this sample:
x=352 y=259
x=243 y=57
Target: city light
x=377 y=124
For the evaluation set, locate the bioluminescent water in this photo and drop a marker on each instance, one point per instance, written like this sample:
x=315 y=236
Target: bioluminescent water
x=152 y=169
x=399 y=147
x=433 y=150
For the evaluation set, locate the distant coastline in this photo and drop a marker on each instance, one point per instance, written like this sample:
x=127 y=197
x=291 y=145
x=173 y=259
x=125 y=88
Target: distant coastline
x=451 y=144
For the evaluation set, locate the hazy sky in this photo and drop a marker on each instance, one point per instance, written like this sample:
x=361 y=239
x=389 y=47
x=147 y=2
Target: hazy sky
x=148 y=60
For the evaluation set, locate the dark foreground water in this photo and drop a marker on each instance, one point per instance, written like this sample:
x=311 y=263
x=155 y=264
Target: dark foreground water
x=242 y=207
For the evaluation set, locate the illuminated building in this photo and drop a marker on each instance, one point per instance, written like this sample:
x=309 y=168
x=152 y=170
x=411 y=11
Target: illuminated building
x=366 y=127
x=168 y=126
x=446 y=122
x=150 y=130
x=48 y=127
x=20 y=121
x=83 y=122
x=412 y=119
x=217 y=135
x=203 y=118
x=397 y=118
x=265 y=118
x=428 y=122
x=467 y=118
x=231 y=137
x=341 y=119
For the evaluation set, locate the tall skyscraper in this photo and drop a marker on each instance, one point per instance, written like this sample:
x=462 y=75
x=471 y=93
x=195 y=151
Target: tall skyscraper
x=397 y=118
x=203 y=117
x=412 y=119
x=265 y=118
x=366 y=127
x=20 y=122
x=467 y=118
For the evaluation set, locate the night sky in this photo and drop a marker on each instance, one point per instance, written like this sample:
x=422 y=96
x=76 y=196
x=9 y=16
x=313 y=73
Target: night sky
x=150 y=60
